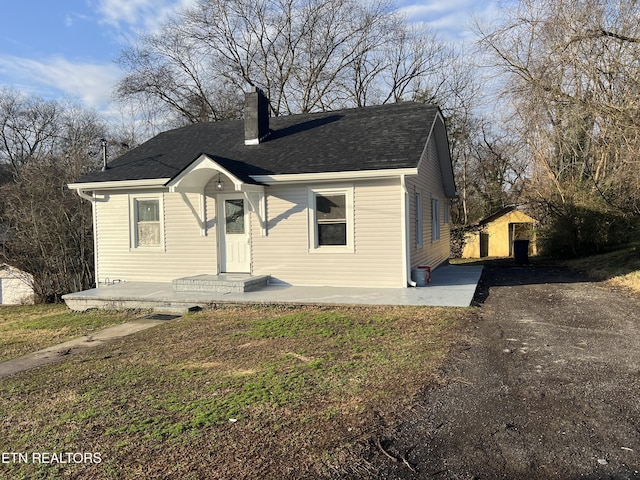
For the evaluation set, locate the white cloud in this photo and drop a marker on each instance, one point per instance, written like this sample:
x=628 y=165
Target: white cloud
x=72 y=18
x=451 y=18
x=115 y=12
x=144 y=15
x=432 y=8
x=91 y=83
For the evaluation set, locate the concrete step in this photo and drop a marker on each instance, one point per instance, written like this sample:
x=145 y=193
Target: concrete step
x=175 y=308
x=223 y=283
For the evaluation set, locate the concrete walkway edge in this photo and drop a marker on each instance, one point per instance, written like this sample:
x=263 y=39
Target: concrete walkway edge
x=59 y=352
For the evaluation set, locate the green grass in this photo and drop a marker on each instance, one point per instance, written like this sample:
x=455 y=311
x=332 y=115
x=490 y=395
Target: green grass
x=327 y=324
x=231 y=393
x=25 y=329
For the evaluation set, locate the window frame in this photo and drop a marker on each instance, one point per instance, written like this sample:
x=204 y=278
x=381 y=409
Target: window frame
x=419 y=220
x=435 y=219
x=313 y=193
x=133 y=222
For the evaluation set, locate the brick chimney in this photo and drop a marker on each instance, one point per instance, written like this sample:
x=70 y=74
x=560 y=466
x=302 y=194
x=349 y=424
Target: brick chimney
x=256 y=116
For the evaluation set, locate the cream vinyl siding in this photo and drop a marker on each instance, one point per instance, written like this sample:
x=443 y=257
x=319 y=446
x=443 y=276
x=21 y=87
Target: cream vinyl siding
x=185 y=250
x=428 y=183
x=286 y=254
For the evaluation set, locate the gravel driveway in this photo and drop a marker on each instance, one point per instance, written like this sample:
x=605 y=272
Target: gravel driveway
x=547 y=386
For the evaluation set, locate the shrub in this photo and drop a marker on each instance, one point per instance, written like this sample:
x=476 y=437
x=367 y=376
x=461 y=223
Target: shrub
x=576 y=231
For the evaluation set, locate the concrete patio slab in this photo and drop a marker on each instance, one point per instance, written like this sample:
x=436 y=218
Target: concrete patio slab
x=450 y=285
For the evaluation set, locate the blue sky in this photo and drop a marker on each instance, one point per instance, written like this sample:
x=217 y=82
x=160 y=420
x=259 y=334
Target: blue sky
x=67 y=48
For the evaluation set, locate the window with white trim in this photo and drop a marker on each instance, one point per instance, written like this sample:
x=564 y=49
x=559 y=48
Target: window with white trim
x=435 y=219
x=146 y=222
x=331 y=219
x=419 y=220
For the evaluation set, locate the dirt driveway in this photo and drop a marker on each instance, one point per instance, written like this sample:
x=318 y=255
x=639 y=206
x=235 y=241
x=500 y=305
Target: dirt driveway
x=546 y=387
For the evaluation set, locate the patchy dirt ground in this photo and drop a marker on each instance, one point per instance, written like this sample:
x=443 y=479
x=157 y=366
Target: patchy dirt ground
x=547 y=386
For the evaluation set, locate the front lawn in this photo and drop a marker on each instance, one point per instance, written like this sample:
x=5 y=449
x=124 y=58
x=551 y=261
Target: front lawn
x=28 y=328
x=237 y=392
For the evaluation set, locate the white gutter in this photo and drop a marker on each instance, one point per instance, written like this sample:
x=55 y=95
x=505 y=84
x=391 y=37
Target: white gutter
x=84 y=195
x=404 y=218
x=147 y=183
x=333 y=176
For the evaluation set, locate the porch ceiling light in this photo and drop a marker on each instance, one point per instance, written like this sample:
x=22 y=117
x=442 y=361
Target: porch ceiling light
x=220 y=184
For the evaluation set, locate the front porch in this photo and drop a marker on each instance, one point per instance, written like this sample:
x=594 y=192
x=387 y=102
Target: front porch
x=450 y=286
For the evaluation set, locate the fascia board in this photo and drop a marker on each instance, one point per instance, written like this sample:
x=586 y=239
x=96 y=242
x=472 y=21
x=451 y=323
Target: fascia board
x=333 y=176
x=120 y=184
x=445 y=162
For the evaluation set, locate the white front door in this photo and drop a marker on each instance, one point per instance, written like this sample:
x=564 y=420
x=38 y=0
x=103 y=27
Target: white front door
x=235 y=241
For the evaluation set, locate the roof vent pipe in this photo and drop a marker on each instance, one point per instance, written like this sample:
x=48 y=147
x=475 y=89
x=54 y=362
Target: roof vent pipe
x=103 y=142
x=256 y=116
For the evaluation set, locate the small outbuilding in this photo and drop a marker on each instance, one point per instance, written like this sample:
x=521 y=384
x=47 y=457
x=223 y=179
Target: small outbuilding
x=494 y=236
x=16 y=286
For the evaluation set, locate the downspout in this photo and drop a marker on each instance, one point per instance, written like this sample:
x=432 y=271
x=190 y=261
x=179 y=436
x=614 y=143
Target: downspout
x=91 y=198
x=404 y=205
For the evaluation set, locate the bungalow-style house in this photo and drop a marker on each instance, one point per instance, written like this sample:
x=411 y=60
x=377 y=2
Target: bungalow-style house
x=493 y=236
x=355 y=197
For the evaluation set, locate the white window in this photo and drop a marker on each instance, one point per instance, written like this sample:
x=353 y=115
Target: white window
x=435 y=219
x=146 y=222
x=331 y=219
x=419 y=220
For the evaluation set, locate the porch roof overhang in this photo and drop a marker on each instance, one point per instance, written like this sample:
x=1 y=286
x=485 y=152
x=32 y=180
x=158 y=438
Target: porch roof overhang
x=195 y=177
x=199 y=173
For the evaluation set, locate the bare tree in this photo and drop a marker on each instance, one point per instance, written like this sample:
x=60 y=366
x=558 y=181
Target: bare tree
x=49 y=227
x=573 y=79
x=489 y=167
x=27 y=128
x=310 y=55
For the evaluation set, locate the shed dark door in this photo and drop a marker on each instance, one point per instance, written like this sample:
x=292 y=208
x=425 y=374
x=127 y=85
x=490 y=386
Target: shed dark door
x=519 y=231
x=484 y=244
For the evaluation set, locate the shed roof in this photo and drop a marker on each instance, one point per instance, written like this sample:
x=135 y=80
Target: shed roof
x=7 y=271
x=503 y=211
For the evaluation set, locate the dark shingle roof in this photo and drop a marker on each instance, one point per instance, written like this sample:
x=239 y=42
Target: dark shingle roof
x=371 y=138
